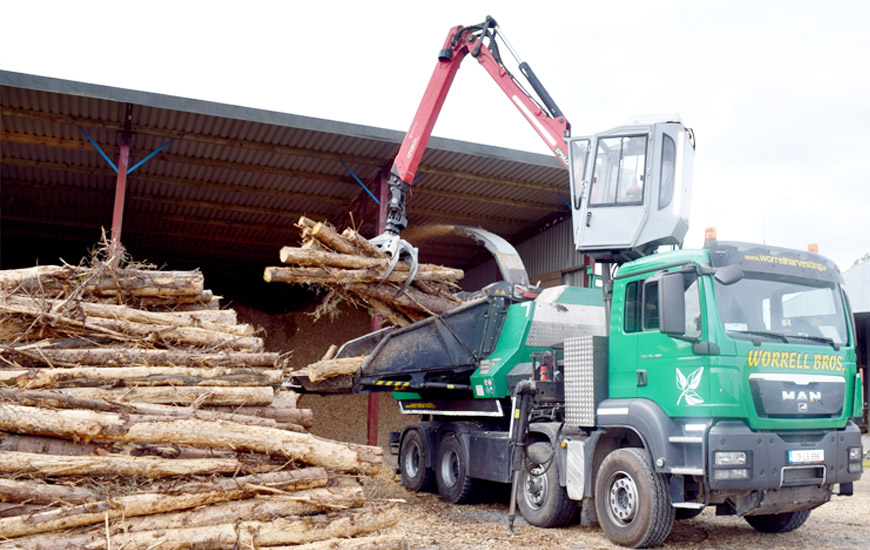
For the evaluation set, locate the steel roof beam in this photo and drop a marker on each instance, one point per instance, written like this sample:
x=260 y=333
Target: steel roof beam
x=77 y=145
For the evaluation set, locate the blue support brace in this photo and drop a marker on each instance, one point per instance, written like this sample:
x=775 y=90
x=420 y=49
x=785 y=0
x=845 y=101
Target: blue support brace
x=94 y=143
x=137 y=165
x=372 y=195
x=146 y=159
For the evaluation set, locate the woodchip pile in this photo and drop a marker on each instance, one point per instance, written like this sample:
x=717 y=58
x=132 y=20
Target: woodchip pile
x=136 y=414
x=351 y=268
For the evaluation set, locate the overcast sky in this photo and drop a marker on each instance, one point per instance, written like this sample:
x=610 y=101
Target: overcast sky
x=778 y=93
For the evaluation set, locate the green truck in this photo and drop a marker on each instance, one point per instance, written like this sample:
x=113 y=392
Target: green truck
x=721 y=377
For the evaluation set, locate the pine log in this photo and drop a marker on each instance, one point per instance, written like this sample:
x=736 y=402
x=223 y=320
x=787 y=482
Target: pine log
x=203 y=319
x=134 y=282
x=373 y=542
x=276 y=415
x=313 y=258
x=326 y=234
x=261 y=509
x=178 y=395
x=9 y=509
x=411 y=298
x=125 y=330
x=330 y=353
x=337 y=276
x=229 y=536
x=363 y=244
x=141 y=376
x=103 y=426
x=36 y=492
x=151 y=467
x=321 y=370
x=391 y=316
x=156 y=357
x=303 y=417
x=53 y=445
x=184 y=497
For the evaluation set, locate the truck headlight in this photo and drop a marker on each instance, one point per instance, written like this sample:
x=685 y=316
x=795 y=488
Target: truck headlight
x=729 y=458
x=731 y=474
x=854 y=454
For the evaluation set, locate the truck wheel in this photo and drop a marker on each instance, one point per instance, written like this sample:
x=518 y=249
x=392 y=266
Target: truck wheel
x=632 y=501
x=451 y=472
x=412 y=463
x=778 y=523
x=542 y=501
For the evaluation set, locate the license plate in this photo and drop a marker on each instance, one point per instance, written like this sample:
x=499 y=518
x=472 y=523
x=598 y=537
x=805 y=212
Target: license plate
x=806 y=456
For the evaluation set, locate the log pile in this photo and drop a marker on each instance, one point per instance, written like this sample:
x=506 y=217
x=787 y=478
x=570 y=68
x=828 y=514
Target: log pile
x=350 y=268
x=136 y=414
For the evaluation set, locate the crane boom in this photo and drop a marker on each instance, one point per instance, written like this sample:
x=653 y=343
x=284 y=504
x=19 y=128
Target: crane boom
x=545 y=117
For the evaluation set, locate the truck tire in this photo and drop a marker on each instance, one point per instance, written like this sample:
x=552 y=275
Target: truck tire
x=541 y=500
x=451 y=472
x=412 y=463
x=632 y=502
x=778 y=523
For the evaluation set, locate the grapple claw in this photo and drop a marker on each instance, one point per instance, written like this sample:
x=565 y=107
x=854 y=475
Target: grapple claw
x=397 y=247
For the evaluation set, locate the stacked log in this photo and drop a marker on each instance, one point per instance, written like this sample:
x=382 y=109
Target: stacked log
x=136 y=414
x=349 y=267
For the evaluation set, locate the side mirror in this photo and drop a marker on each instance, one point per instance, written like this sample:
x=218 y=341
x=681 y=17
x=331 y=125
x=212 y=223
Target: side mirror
x=672 y=304
x=729 y=274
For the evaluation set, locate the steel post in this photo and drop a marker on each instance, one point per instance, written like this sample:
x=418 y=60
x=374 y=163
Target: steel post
x=383 y=192
x=121 y=186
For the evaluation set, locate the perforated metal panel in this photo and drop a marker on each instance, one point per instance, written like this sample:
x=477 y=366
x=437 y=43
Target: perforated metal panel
x=554 y=323
x=585 y=379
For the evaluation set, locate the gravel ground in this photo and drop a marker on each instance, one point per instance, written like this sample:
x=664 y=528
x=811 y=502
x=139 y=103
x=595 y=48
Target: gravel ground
x=429 y=524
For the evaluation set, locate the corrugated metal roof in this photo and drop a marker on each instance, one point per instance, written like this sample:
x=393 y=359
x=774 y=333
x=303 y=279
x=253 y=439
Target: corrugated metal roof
x=234 y=179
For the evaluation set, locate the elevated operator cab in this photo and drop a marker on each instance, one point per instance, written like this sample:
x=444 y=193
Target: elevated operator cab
x=631 y=188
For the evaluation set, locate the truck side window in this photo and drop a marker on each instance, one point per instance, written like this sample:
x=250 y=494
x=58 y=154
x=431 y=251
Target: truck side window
x=651 y=306
x=693 y=308
x=632 y=307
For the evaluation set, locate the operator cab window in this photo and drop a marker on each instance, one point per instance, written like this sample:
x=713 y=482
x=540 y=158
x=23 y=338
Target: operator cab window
x=620 y=171
x=642 y=307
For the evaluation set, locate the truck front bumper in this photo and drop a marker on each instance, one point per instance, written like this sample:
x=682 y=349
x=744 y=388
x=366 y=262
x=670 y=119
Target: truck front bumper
x=739 y=458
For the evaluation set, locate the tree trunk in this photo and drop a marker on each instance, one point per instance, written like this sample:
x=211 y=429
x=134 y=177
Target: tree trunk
x=373 y=542
x=35 y=492
x=303 y=417
x=338 y=276
x=313 y=258
x=202 y=319
x=89 y=425
x=141 y=376
x=185 y=497
x=124 y=357
x=322 y=370
x=412 y=299
x=363 y=244
x=12 y=462
x=231 y=536
x=178 y=395
x=134 y=282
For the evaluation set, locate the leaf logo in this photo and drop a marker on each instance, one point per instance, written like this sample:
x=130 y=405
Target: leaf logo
x=688 y=385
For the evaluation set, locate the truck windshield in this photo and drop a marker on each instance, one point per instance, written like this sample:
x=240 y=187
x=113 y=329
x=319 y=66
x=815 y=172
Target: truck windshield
x=782 y=310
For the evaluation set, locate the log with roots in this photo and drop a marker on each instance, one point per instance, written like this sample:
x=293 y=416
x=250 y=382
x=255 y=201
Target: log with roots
x=350 y=266
x=88 y=425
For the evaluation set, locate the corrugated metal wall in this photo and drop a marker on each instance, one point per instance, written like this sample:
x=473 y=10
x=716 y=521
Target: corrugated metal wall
x=548 y=251
x=857 y=281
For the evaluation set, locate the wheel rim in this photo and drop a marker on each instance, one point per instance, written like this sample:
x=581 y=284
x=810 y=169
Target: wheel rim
x=536 y=487
x=450 y=468
x=413 y=460
x=622 y=502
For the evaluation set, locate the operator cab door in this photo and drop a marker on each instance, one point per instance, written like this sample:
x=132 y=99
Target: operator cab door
x=632 y=194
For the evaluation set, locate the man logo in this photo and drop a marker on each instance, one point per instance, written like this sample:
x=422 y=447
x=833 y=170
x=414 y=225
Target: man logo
x=802 y=396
